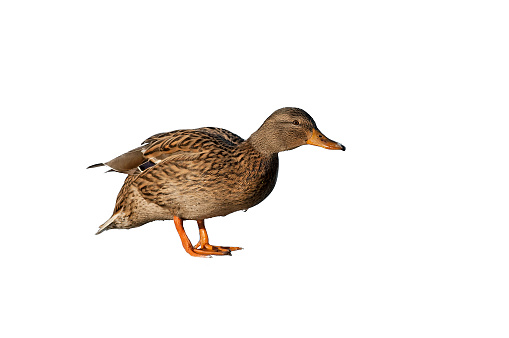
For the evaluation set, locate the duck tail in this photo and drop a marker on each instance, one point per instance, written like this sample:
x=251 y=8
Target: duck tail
x=106 y=225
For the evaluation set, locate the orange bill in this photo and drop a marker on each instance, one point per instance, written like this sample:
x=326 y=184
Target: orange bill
x=318 y=139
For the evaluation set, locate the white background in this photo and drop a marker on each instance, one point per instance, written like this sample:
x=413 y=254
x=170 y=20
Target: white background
x=403 y=235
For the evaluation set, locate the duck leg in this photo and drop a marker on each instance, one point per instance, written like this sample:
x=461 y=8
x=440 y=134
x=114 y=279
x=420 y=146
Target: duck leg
x=194 y=251
x=204 y=241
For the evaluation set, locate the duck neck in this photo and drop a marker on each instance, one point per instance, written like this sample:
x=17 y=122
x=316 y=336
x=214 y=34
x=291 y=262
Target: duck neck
x=266 y=141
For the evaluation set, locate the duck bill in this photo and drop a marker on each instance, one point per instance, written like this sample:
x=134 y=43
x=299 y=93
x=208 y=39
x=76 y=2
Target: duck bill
x=318 y=139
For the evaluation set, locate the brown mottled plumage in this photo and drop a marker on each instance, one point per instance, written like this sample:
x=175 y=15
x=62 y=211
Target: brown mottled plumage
x=196 y=174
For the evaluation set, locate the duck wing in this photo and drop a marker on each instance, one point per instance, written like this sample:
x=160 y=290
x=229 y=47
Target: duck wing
x=185 y=144
x=126 y=163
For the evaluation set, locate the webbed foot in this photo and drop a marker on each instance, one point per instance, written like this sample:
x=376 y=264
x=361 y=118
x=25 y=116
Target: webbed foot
x=202 y=248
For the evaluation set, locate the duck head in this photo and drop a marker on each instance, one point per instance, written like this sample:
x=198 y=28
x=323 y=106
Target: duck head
x=289 y=128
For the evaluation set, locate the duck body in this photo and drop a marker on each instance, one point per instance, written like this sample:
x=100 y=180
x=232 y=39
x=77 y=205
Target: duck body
x=210 y=172
x=195 y=174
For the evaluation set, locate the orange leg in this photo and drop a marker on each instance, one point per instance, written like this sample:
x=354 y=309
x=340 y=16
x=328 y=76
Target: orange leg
x=204 y=241
x=204 y=251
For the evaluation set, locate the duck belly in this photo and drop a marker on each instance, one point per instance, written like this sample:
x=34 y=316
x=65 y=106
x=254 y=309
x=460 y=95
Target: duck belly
x=194 y=194
x=207 y=203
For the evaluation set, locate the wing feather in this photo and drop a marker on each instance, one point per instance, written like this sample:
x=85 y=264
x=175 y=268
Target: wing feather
x=179 y=145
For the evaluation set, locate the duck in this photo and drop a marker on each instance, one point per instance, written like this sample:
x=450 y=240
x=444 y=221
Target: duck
x=197 y=174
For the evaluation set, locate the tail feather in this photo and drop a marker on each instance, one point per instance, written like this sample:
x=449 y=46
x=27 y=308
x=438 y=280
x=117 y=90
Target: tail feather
x=106 y=225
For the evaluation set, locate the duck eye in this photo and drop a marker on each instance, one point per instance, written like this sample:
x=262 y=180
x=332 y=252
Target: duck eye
x=295 y=122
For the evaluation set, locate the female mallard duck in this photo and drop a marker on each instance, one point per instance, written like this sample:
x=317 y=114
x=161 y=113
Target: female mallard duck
x=194 y=174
